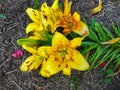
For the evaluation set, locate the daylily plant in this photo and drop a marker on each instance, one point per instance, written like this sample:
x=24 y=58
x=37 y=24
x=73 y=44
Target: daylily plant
x=57 y=55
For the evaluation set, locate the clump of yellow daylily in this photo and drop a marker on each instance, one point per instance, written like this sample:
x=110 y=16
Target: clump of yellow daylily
x=62 y=54
x=50 y=18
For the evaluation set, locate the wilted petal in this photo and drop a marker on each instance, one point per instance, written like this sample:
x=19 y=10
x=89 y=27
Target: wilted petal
x=33 y=14
x=50 y=67
x=31 y=63
x=114 y=40
x=17 y=54
x=79 y=61
x=59 y=40
x=82 y=29
x=74 y=43
x=98 y=8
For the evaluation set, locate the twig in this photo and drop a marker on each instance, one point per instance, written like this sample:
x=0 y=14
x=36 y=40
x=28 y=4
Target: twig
x=17 y=85
x=11 y=71
x=13 y=26
x=2 y=50
x=13 y=43
x=116 y=73
x=104 y=86
x=5 y=62
x=91 y=76
x=87 y=55
x=112 y=4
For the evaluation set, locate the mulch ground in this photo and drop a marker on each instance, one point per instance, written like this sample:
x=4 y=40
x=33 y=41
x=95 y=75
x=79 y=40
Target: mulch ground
x=12 y=28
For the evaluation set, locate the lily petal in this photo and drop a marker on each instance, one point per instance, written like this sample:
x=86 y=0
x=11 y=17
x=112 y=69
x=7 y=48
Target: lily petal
x=31 y=63
x=67 y=70
x=34 y=27
x=50 y=67
x=33 y=14
x=45 y=9
x=79 y=61
x=45 y=51
x=55 y=4
x=59 y=40
x=82 y=29
x=76 y=16
x=74 y=43
x=67 y=7
x=30 y=49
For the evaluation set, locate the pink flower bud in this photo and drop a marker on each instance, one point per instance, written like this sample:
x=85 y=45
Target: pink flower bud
x=17 y=54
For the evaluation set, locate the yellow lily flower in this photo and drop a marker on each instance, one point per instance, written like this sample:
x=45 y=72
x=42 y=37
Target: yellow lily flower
x=71 y=22
x=31 y=63
x=63 y=56
x=43 y=19
x=50 y=15
x=35 y=16
x=35 y=60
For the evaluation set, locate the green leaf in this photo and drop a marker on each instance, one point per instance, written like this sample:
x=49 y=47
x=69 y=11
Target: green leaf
x=112 y=57
x=91 y=47
x=87 y=43
x=36 y=4
x=100 y=31
x=96 y=56
x=108 y=33
x=116 y=30
x=84 y=20
x=105 y=56
x=3 y=16
x=28 y=41
x=93 y=36
x=117 y=62
x=107 y=80
x=110 y=72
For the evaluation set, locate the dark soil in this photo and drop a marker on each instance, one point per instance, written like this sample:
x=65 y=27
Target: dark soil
x=12 y=28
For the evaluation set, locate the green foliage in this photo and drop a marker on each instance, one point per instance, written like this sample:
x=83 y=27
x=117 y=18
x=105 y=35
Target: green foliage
x=36 y=4
x=109 y=72
x=109 y=53
x=75 y=83
x=33 y=42
x=28 y=41
x=3 y=16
